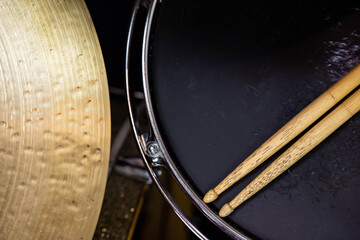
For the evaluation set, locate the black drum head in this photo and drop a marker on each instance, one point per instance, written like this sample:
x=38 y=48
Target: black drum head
x=226 y=75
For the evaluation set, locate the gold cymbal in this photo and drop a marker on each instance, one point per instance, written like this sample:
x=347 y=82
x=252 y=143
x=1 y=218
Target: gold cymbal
x=54 y=120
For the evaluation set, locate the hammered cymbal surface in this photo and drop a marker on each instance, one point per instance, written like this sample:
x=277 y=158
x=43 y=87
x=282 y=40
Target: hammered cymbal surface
x=54 y=120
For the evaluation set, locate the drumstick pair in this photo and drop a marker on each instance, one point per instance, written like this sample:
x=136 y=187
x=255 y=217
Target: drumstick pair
x=288 y=132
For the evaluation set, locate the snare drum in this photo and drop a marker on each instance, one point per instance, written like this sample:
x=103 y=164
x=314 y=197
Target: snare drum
x=219 y=78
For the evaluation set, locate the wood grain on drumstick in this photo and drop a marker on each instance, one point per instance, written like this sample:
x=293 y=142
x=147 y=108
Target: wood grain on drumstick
x=289 y=131
x=301 y=147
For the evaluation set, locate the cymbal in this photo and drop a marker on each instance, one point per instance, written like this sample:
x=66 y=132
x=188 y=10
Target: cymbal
x=54 y=120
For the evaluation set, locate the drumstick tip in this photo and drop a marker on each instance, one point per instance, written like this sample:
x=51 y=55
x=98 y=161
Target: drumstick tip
x=210 y=196
x=226 y=210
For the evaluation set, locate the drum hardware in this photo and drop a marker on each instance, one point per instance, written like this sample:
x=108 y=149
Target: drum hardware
x=141 y=138
x=155 y=146
x=153 y=150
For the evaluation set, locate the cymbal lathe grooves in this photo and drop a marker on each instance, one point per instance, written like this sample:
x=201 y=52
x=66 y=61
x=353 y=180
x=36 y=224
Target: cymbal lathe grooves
x=54 y=121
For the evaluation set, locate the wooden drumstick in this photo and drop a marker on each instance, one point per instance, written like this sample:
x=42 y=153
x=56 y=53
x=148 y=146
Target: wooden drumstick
x=289 y=131
x=301 y=147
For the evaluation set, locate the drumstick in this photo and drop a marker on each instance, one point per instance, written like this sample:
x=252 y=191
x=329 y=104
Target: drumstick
x=289 y=131
x=301 y=147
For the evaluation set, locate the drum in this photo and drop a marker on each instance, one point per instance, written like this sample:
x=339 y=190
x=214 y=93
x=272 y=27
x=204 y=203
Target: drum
x=219 y=78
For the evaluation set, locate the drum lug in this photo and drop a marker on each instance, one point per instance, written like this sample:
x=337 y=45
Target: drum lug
x=152 y=150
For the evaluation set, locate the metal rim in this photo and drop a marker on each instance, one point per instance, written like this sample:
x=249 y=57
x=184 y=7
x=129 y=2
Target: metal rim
x=165 y=156
x=139 y=137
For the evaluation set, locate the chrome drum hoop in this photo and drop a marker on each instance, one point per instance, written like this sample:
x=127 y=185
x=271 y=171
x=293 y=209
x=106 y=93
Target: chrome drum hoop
x=151 y=144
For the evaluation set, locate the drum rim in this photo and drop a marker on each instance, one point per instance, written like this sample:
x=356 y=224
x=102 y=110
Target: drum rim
x=165 y=157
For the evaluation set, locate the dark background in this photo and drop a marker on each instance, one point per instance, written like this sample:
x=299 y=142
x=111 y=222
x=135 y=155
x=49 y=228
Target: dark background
x=111 y=20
